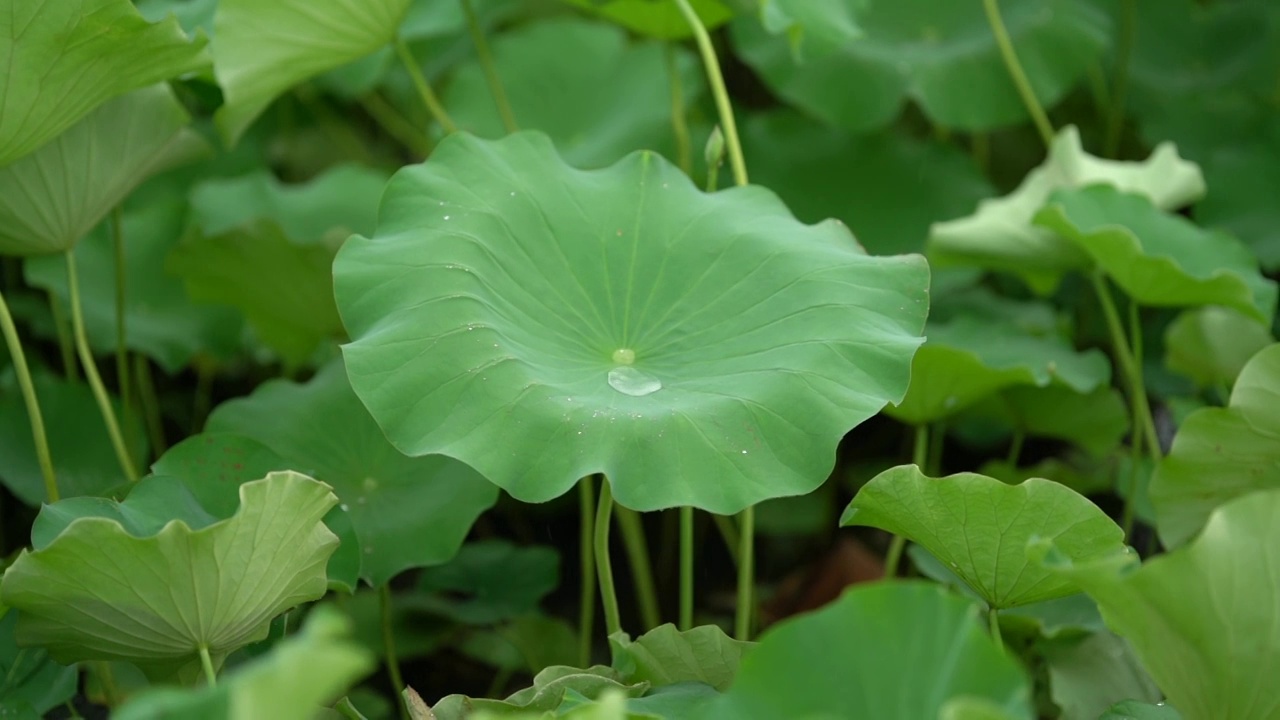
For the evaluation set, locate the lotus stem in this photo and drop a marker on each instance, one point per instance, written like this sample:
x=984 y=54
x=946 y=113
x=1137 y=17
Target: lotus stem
x=1128 y=365
x=91 y=373
x=107 y=678
x=993 y=617
x=686 y=568
x=395 y=124
x=122 y=346
x=679 y=120
x=150 y=404
x=920 y=458
x=389 y=647
x=641 y=567
x=730 y=535
x=490 y=69
x=604 y=567
x=66 y=346
x=28 y=388
x=716 y=80
x=586 y=549
x=423 y=87
x=206 y=662
x=746 y=576
x=1016 y=72
x=1120 y=85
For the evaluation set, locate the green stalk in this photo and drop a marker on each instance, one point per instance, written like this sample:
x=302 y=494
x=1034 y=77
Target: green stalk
x=919 y=457
x=395 y=124
x=91 y=373
x=730 y=534
x=716 y=80
x=686 y=568
x=993 y=616
x=746 y=576
x=490 y=69
x=1015 y=447
x=423 y=87
x=1129 y=366
x=586 y=547
x=1136 y=443
x=66 y=346
x=347 y=710
x=107 y=678
x=389 y=647
x=150 y=404
x=1124 y=51
x=203 y=395
x=633 y=540
x=1016 y=73
x=206 y=662
x=679 y=122
x=604 y=567
x=122 y=347
x=28 y=388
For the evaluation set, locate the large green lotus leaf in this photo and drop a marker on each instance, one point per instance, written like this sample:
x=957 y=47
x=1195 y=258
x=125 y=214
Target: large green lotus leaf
x=1221 y=453
x=699 y=349
x=265 y=47
x=979 y=527
x=1159 y=258
x=30 y=683
x=96 y=592
x=160 y=320
x=1211 y=344
x=84 y=460
x=301 y=674
x=342 y=201
x=657 y=18
x=917 y=649
x=972 y=357
x=1091 y=674
x=489 y=581
x=941 y=55
x=212 y=466
x=667 y=656
x=610 y=96
x=64 y=59
x=284 y=289
x=407 y=512
x=1204 y=619
x=152 y=503
x=1001 y=235
x=55 y=196
x=886 y=187
x=549 y=689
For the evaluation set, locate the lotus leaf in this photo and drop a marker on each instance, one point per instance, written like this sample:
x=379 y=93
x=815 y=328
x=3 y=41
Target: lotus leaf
x=31 y=683
x=667 y=656
x=550 y=688
x=1211 y=345
x=489 y=581
x=542 y=323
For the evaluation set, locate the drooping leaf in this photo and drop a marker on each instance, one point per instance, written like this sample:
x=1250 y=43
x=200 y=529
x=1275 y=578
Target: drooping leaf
x=1204 y=619
x=667 y=656
x=301 y=674
x=971 y=358
x=64 y=59
x=342 y=201
x=942 y=56
x=55 y=196
x=549 y=689
x=657 y=19
x=979 y=527
x=699 y=349
x=610 y=96
x=1221 y=453
x=1001 y=235
x=284 y=289
x=887 y=187
x=919 y=648
x=160 y=320
x=489 y=581
x=264 y=47
x=84 y=460
x=30 y=683
x=1087 y=676
x=407 y=512
x=1158 y=258
x=1211 y=345
x=98 y=592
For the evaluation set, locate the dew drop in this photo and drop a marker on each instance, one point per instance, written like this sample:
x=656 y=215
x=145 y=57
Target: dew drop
x=744 y=452
x=346 y=507
x=446 y=217
x=630 y=381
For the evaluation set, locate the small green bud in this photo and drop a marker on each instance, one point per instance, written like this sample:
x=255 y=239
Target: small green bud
x=714 y=151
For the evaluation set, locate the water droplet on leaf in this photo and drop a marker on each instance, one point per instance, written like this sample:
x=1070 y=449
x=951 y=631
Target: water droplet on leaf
x=630 y=381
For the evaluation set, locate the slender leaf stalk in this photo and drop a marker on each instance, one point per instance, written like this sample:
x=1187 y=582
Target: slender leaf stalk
x=150 y=404
x=586 y=549
x=993 y=617
x=1129 y=366
x=389 y=647
x=210 y=676
x=346 y=709
x=716 y=80
x=730 y=534
x=122 y=346
x=746 y=576
x=1120 y=84
x=423 y=87
x=396 y=125
x=66 y=346
x=203 y=395
x=920 y=457
x=1015 y=447
x=633 y=540
x=686 y=568
x=489 y=67
x=1016 y=72
x=679 y=115
x=1136 y=443
x=604 y=567
x=107 y=679
x=28 y=388
x=91 y=373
